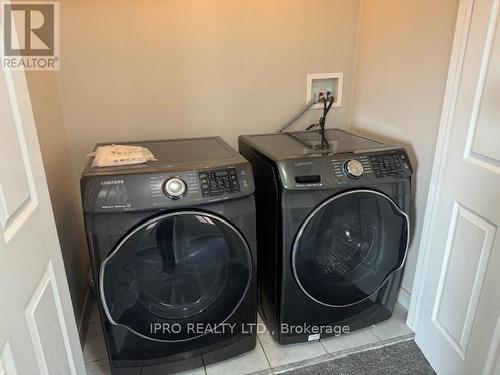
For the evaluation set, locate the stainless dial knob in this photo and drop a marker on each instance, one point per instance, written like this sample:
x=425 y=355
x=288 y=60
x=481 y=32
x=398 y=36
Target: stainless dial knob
x=174 y=187
x=353 y=168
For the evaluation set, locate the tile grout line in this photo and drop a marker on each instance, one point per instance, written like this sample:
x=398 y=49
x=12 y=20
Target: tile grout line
x=264 y=350
x=204 y=365
x=96 y=360
x=323 y=345
x=375 y=333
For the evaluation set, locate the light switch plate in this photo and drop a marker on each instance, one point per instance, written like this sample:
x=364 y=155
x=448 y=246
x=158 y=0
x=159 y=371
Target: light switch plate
x=317 y=82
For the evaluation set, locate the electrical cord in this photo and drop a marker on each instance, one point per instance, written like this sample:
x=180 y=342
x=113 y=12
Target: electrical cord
x=327 y=105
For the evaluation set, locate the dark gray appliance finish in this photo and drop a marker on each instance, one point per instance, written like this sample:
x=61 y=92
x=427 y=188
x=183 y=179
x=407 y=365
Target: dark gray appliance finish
x=174 y=255
x=175 y=154
x=332 y=230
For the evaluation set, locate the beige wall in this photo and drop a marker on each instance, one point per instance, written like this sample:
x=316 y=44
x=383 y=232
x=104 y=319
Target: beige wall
x=135 y=70
x=402 y=60
x=164 y=69
x=59 y=171
x=157 y=69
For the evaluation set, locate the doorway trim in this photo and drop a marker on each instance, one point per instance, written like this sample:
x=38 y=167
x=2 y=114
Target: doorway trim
x=460 y=38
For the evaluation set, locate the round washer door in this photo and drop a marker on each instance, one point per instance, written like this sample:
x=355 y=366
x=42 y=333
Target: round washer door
x=176 y=276
x=348 y=246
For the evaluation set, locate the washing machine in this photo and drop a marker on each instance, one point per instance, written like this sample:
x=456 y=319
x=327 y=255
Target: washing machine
x=332 y=230
x=173 y=253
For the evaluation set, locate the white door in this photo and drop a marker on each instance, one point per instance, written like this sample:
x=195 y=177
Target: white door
x=38 y=332
x=456 y=312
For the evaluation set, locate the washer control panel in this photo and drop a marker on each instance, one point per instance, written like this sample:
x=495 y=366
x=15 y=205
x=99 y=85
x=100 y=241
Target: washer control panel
x=353 y=167
x=394 y=163
x=218 y=182
x=344 y=169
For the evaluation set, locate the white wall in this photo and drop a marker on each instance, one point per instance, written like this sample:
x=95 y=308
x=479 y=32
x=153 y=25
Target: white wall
x=402 y=60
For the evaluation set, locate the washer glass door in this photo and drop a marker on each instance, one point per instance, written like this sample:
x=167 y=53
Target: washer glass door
x=173 y=272
x=348 y=246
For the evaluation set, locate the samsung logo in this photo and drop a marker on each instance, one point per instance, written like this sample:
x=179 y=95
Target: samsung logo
x=112 y=182
x=303 y=163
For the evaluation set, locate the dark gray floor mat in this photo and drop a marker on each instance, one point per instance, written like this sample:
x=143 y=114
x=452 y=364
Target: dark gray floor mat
x=403 y=358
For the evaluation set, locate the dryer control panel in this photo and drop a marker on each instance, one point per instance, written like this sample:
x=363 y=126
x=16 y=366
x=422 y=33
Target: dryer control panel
x=168 y=189
x=219 y=182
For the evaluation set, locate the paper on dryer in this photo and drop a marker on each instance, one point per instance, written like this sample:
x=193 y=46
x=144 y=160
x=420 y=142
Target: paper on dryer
x=112 y=155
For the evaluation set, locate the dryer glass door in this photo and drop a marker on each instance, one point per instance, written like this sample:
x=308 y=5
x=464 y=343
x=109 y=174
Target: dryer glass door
x=348 y=246
x=173 y=272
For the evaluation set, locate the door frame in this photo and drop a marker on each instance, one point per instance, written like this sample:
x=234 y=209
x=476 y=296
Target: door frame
x=53 y=275
x=459 y=47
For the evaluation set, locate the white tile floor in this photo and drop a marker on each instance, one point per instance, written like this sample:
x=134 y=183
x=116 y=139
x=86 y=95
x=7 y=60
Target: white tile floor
x=268 y=356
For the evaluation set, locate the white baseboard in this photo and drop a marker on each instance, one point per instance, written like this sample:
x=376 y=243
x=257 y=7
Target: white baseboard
x=404 y=298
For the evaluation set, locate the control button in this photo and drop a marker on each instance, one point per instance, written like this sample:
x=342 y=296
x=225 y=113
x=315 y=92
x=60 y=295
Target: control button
x=219 y=182
x=353 y=168
x=392 y=164
x=174 y=188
